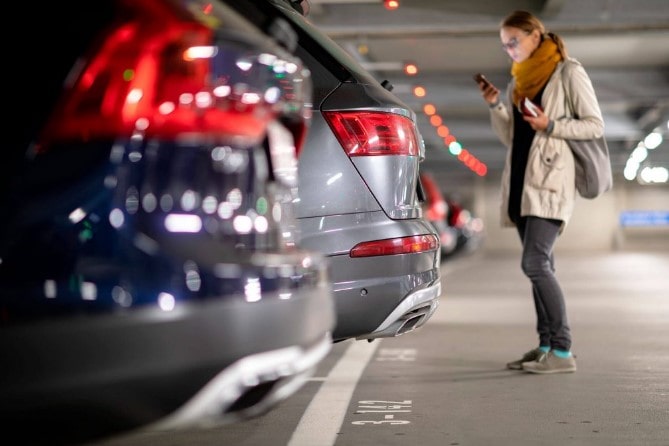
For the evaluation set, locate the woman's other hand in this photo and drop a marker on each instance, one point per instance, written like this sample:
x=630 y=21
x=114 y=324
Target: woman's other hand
x=539 y=122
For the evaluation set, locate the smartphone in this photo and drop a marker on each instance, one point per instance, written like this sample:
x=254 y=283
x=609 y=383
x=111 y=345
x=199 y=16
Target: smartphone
x=480 y=79
x=529 y=108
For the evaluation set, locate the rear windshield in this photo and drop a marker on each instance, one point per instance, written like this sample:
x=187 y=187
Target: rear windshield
x=315 y=42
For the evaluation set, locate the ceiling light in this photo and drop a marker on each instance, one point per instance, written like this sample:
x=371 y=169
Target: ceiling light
x=419 y=91
x=429 y=109
x=410 y=69
x=653 y=140
x=391 y=4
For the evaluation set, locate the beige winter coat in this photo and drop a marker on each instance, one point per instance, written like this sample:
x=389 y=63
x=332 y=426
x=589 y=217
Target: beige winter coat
x=548 y=189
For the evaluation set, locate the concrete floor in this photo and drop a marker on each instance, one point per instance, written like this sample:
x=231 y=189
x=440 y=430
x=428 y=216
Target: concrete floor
x=445 y=383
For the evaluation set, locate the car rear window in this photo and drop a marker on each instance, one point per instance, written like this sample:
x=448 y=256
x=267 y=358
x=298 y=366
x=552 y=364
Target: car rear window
x=313 y=41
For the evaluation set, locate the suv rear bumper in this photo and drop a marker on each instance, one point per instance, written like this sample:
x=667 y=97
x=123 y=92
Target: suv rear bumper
x=411 y=313
x=276 y=373
x=373 y=293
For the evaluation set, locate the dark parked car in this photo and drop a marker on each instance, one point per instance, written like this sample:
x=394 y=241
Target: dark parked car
x=470 y=229
x=358 y=195
x=148 y=273
x=459 y=230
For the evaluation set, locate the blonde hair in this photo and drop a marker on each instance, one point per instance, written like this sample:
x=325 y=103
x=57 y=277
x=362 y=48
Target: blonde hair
x=528 y=22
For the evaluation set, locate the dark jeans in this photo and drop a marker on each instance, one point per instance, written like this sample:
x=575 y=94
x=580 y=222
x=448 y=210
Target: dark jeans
x=538 y=236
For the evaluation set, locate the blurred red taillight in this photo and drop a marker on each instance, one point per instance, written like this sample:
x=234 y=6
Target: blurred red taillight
x=461 y=217
x=403 y=245
x=153 y=75
x=437 y=210
x=374 y=133
x=437 y=206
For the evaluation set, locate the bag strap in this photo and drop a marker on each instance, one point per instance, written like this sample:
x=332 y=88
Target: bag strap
x=565 y=88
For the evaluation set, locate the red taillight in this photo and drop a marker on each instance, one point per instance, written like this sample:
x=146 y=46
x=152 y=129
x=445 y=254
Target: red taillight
x=154 y=75
x=402 y=245
x=374 y=133
x=437 y=206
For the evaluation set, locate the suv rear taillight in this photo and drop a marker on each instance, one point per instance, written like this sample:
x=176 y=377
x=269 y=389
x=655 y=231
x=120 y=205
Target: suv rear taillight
x=402 y=245
x=374 y=133
x=161 y=74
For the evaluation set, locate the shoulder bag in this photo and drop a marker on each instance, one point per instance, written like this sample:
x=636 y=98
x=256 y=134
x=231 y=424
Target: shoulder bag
x=593 y=165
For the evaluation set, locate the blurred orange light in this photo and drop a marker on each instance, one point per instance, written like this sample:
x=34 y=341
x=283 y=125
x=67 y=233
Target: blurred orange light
x=429 y=109
x=449 y=139
x=419 y=91
x=435 y=120
x=443 y=131
x=391 y=4
x=410 y=69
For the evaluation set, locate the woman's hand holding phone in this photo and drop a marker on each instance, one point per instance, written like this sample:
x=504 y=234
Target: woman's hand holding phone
x=489 y=92
x=480 y=79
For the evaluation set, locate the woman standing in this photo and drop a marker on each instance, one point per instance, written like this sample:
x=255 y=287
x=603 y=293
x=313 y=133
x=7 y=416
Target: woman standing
x=538 y=189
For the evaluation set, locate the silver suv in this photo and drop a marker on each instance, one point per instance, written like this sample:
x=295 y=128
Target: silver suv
x=359 y=192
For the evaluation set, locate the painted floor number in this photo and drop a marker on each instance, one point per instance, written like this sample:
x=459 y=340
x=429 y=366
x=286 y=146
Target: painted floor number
x=389 y=409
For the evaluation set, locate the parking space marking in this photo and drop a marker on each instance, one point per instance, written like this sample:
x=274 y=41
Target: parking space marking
x=325 y=414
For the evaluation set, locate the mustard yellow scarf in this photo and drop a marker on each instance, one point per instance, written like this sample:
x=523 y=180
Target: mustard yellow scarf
x=533 y=73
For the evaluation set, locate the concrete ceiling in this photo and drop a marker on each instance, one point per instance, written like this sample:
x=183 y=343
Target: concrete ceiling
x=624 y=45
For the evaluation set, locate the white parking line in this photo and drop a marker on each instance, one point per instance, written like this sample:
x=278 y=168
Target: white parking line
x=324 y=415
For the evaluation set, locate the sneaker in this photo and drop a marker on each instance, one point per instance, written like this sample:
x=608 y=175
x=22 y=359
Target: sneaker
x=551 y=364
x=532 y=355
